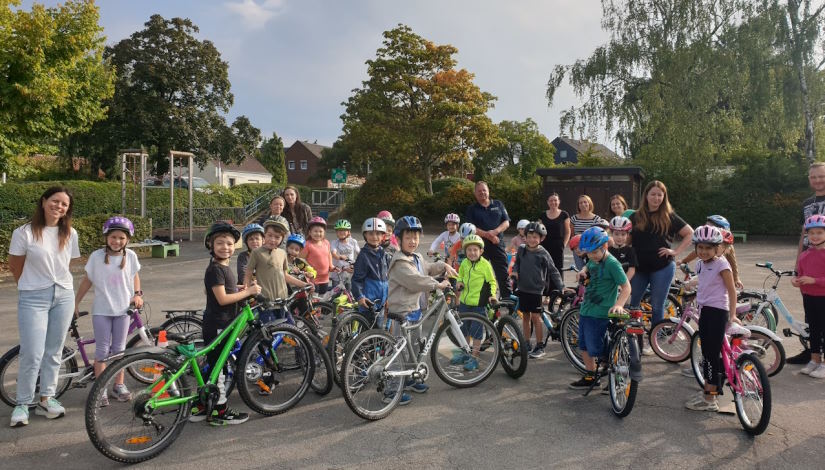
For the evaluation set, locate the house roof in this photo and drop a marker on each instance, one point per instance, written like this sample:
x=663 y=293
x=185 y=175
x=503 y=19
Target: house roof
x=248 y=165
x=583 y=146
x=316 y=149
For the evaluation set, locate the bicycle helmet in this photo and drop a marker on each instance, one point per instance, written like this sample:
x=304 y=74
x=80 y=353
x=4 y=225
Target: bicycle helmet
x=602 y=223
x=277 y=221
x=374 y=224
x=317 y=220
x=536 y=227
x=574 y=242
x=815 y=221
x=343 y=224
x=408 y=222
x=472 y=239
x=592 y=239
x=707 y=234
x=250 y=229
x=466 y=229
x=727 y=236
x=386 y=217
x=522 y=224
x=719 y=221
x=296 y=238
x=451 y=217
x=119 y=223
x=620 y=224
x=220 y=227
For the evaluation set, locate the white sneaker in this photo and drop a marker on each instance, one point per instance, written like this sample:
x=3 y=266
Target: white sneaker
x=809 y=367
x=647 y=351
x=819 y=372
x=51 y=408
x=20 y=416
x=702 y=405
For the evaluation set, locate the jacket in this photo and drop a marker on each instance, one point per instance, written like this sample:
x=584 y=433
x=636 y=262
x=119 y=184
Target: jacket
x=369 y=275
x=536 y=272
x=479 y=282
x=407 y=283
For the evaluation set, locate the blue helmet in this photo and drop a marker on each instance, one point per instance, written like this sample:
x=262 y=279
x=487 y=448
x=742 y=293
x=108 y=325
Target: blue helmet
x=408 y=222
x=592 y=239
x=719 y=221
x=250 y=229
x=296 y=238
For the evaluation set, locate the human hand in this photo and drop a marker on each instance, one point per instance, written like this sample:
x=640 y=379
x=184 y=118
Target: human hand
x=617 y=309
x=310 y=285
x=254 y=288
x=450 y=271
x=795 y=282
x=363 y=302
x=459 y=286
x=666 y=252
x=739 y=285
x=138 y=301
x=349 y=269
x=803 y=280
x=444 y=284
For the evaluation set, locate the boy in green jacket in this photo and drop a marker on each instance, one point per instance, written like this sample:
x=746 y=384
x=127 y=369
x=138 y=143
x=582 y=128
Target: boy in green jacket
x=477 y=285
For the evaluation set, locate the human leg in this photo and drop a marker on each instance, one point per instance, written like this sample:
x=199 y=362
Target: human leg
x=32 y=320
x=659 y=287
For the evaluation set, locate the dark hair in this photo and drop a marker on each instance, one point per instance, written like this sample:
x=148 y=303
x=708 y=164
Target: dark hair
x=64 y=225
x=296 y=210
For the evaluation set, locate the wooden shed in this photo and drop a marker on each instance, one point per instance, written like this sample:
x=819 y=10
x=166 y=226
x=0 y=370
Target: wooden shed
x=598 y=183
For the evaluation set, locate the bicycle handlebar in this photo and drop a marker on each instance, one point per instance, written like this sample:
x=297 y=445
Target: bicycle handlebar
x=769 y=265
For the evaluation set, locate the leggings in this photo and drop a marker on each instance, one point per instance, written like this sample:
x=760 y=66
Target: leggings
x=712 y=324
x=815 y=317
x=110 y=334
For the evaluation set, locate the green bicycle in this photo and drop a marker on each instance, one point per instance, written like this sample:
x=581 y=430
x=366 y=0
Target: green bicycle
x=276 y=360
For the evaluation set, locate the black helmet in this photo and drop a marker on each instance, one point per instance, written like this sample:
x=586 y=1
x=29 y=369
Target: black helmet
x=220 y=227
x=536 y=227
x=408 y=222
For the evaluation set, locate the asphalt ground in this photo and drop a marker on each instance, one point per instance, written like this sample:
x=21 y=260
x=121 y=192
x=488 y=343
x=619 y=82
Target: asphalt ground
x=535 y=421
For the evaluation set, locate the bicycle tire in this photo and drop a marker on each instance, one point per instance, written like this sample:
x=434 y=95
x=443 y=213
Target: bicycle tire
x=293 y=354
x=322 y=378
x=621 y=399
x=182 y=324
x=696 y=359
x=486 y=363
x=348 y=327
x=362 y=376
x=9 y=370
x=513 y=350
x=769 y=352
x=765 y=318
x=569 y=336
x=135 y=429
x=756 y=372
x=675 y=352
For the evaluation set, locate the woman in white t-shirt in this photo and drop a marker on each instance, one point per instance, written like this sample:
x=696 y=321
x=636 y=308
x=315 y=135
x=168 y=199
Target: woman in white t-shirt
x=39 y=256
x=113 y=271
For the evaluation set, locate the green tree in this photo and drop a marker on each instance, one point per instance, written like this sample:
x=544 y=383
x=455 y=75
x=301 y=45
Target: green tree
x=522 y=148
x=272 y=158
x=53 y=78
x=416 y=108
x=233 y=144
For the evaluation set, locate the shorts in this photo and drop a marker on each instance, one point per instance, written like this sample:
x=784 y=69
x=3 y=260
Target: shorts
x=269 y=316
x=321 y=288
x=529 y=302
x=475 y=329
x=591 y=335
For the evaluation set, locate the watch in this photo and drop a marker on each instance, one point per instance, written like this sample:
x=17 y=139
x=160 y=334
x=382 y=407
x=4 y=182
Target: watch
x=139 y=293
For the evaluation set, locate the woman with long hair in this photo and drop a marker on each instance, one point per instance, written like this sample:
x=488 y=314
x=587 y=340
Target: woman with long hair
x=559 y=230
x=296 y=212
x=618 y=206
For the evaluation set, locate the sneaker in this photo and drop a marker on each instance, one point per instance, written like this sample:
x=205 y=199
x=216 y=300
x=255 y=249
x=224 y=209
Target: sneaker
x=802 y=358
x=702 y=405
x=647 y=350
x=121 y=393
x=687 y=371
x=459 y=357
x=19 y=416
x=225 y=415
x=819 y=372
x=416 y=387
x=471 y=364
x=584 y=382
x=50 y=408
x=696 y=398
x=405 y=399
x=809 y=368
x=537 y=352
x=198 y=413
x=104 y=400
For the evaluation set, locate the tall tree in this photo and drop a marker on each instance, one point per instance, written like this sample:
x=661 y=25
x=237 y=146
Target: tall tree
x=416 y=108
x=53 y=78
x=522 y=149
x=272 y=158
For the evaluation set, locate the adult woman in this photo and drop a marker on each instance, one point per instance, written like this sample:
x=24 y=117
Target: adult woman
x=618 y=206
x=276 y=207
x=296 y=212
x=583 y=220
x=655 y=224
x=39 y=256
x=558 y=227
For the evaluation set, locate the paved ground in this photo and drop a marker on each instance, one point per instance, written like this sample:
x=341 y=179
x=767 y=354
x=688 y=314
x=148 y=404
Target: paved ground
x=526 y=423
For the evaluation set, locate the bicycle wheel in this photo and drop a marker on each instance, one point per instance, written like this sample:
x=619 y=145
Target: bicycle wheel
x=670 y=342
x=753 y=403
x=768 y=351
x=455 y=366
x=135 y=342
x=368 y=391
x=322 y=378
x=513 y=350
x=766 y=318
x=696 y=359
x=182 y=324
x=348 y=327
x=275 y=368
x=672 y=306
x=10 y=369
x=622 y=387
x=126 y=431
x=570 y=338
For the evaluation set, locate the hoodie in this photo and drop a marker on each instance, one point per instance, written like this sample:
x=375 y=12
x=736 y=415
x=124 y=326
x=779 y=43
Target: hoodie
x=410 y=276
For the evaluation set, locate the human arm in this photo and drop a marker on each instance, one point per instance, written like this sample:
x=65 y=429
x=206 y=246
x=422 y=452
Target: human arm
x=553 y=275
x=730 y=255
x=490 y=277
x=622 y=298
x=690 y=257
x=631 y=271
x=16 y=266
x=686 y=233
x=137 y=298
x=225 y=298
x=798 y=248
x=436 y=244
x=84 y=287
x=727 y=277
x=439 y=268
x=295 y=282
x=406 y=274
x=568 y=230
x=241 y=266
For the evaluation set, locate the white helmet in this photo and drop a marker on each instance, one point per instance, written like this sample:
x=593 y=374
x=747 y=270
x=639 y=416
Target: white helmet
x=522 y=224
x=451 y=217
x=374 y=224
x=466 y=229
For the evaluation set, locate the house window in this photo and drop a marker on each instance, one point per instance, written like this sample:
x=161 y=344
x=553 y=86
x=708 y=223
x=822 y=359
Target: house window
x=291 y=164
x=231 y=182
x=562 y=154
x=303 y=164
x=253 y=181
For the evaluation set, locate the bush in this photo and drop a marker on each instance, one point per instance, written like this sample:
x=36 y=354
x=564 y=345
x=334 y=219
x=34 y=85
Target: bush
x=250 y=191
x=394 y=190
x=523 y=199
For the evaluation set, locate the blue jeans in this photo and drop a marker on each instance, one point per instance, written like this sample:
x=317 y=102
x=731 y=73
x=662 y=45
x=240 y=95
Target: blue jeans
x=43 y=318
x=659 y=282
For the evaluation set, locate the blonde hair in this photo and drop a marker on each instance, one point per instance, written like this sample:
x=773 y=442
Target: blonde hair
x=658 y=221
x=586 y=198
x=613 y=198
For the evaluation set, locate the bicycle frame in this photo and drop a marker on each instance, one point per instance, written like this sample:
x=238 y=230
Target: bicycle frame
x=772 y=299
x=730 y=352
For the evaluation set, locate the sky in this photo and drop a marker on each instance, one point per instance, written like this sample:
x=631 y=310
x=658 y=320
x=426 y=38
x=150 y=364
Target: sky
x=292 y=63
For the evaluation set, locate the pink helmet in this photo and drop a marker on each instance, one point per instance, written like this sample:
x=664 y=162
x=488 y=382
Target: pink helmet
x=317 y=220
x=707 y=234
x=815 y=221
x=386 y=217
x=451 y=217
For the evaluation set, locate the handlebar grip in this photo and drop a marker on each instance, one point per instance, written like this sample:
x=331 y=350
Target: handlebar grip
x=761 y=265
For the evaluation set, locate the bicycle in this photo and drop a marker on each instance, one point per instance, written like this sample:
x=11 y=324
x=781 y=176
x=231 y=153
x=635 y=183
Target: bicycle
x=276 y=355
x=347 y=327
x=377 y=364
x=70 y=375
x=768 y=302
x=745 y=376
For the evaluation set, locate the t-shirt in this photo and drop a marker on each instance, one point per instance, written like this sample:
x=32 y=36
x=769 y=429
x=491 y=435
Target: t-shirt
x=812 y=263
x=270 y=267
x=349 y=248
x=555 y=229
x=647 y=243
x=580 y=225
x=625 y=255
x=711 y=290
x=444 y=242
x=487 y=218
x=46 y=264
x=219 y=275
x=317 y=255
x=812 y=206
x=605 y=278
x=114 y=287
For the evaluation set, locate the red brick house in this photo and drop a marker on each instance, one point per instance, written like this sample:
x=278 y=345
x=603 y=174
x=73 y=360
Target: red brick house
x=303 y=160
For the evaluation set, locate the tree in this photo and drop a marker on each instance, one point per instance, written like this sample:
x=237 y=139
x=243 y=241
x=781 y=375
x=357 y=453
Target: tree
x=521 y=150
x=272 y=158
x=53 y=78
x=416 y=109
x=235 y=143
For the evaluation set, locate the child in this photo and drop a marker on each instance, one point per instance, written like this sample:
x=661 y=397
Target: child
x=369 y=275
x=477 y=285
x=317 y=253
x=390 y=243
x=574 y=247
x=456 y=253
x=344 y=251
x=716 y=297
x=253 y=238
x=444 y=242
x=727 y=241
x=621 y=250
x=113 y=271
x=519 y=239
x=607 y=292
x=221 y=309
x=811 y=281
x=534 y=270
x=409 y=282
x=294 y=244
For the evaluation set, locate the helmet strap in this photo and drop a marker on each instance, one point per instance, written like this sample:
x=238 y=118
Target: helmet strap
x=815 y=244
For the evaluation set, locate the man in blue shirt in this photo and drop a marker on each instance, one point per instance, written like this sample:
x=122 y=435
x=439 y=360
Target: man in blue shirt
x=491 y=220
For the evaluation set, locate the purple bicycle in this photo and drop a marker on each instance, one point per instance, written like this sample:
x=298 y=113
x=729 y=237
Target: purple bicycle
x=71 y=375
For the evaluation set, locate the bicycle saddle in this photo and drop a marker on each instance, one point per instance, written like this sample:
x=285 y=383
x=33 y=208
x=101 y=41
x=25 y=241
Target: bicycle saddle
x=735 y=330
x=183 y=338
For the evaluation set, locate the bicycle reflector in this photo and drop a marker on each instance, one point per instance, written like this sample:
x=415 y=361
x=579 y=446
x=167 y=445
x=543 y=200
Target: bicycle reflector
x=635 y=329
x=636 y=314
x=736 y=342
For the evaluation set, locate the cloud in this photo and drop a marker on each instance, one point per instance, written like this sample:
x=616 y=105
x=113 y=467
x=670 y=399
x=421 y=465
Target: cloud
x=254 y=14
